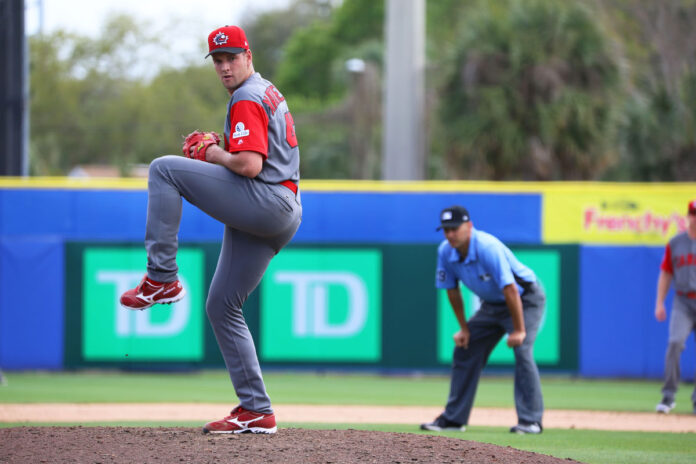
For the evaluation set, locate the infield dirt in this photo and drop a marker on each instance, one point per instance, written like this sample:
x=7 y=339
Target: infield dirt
x=80 y=444
x=288 y=446
x=203 y=412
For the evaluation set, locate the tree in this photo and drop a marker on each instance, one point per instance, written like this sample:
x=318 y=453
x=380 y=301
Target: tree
x=656 y=136
x=314 y=58
x=531 y=93
x=516 y=89
x=307 y=69
x=326 y=97
x=88 y=106
x=269 y=31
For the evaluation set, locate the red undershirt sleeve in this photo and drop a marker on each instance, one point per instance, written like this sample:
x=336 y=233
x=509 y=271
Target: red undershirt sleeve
x=249 y=123
x=667 y=261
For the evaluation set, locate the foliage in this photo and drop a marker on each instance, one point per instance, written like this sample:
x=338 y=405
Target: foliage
x=328 y=151
x=268 y=32
x=656 y=135
x=336 y=111
x=311 y=54
x=358 y=21
x=531 y=94
x=515 y=89
x=307 y=68
x=86 y=108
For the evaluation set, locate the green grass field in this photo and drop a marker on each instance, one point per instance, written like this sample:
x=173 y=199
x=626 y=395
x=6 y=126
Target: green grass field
x=362 y=389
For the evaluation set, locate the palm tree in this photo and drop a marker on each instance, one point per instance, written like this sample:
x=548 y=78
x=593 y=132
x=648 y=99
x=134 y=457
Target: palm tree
x=531 y=92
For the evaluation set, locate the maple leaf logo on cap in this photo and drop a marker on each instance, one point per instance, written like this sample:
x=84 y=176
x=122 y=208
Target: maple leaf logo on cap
x=220 y=39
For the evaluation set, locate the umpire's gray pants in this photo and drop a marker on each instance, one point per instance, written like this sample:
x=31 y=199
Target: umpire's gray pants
x=682 y=321
x=259 y=220
x=487 y=327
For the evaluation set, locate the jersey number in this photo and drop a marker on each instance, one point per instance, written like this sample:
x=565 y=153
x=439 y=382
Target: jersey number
x=290 y=130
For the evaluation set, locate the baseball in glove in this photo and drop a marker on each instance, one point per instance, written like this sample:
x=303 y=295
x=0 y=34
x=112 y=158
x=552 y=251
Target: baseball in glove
x=196 y=143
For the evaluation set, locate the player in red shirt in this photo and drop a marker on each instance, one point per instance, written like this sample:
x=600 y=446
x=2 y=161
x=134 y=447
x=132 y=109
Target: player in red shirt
x=678 y=268
x=251 y=186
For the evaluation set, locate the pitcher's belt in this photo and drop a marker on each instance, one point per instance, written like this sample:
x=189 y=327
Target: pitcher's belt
x=289 y=184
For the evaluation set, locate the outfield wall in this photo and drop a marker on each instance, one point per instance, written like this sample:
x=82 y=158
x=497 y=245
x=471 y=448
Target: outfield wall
x=354 y=289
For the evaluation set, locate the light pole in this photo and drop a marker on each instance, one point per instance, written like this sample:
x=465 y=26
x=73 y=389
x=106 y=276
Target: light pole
x=403 y=145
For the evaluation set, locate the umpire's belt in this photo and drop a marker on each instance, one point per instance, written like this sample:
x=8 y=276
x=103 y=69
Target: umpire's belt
x=690 y=295
x=528 y=287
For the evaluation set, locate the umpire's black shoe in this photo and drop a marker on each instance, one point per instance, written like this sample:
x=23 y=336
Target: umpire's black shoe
x=524 y=428
x=443 y=425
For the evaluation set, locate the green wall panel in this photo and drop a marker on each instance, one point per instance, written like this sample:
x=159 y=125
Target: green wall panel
x=371 y=305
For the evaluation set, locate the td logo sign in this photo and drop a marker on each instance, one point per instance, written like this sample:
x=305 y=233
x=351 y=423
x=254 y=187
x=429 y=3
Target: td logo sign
x=322 y=304
x=310 y=303
x=161 y=332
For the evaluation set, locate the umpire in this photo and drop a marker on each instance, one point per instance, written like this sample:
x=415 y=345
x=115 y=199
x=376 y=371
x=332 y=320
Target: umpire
x=512 y=302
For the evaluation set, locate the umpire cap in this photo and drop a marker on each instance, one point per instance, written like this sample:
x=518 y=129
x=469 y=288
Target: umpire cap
x=453 y=216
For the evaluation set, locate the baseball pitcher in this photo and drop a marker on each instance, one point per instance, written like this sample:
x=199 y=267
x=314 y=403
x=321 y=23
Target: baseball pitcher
x=251 y=186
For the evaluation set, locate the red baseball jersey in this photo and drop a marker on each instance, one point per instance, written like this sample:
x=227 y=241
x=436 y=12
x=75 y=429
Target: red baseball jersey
x=680 y=261
x=258 y=119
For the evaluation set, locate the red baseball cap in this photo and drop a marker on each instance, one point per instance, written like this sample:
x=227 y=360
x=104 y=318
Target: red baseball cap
x=228 y=39
x=692 y=207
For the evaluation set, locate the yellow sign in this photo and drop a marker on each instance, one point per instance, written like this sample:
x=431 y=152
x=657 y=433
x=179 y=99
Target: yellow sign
x=615 y=213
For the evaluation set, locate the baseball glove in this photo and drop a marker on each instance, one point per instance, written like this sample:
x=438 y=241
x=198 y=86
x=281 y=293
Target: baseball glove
x=196 y=143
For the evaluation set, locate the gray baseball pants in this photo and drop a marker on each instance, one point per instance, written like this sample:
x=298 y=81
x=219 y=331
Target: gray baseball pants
x=487 y=327
x=682 y=321
x=259 y=220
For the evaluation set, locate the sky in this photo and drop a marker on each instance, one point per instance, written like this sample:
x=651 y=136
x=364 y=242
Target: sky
x=191 y=20
x=86 y=16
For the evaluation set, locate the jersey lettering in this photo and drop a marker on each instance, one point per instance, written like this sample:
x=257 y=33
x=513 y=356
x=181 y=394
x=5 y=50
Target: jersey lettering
x=273 y=98
x=290 y=130
x=686 y=260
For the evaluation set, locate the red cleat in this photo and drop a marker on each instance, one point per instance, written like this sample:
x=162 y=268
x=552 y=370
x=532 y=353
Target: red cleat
x=242 y=421
x=149 y=292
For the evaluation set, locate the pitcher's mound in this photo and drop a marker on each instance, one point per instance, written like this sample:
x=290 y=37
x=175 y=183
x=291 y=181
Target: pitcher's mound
x=288 y=446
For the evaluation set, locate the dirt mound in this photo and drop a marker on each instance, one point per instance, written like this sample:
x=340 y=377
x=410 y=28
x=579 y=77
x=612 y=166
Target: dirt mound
x=288 y=446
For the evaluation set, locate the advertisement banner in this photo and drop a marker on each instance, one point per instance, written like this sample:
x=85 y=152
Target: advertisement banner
x=160 y=333
x=322 y=305
x=614 y=214
x=546 y=264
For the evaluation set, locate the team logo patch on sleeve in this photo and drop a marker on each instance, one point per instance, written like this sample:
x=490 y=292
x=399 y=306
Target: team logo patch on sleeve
x=240 y=131
x=441 y=275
